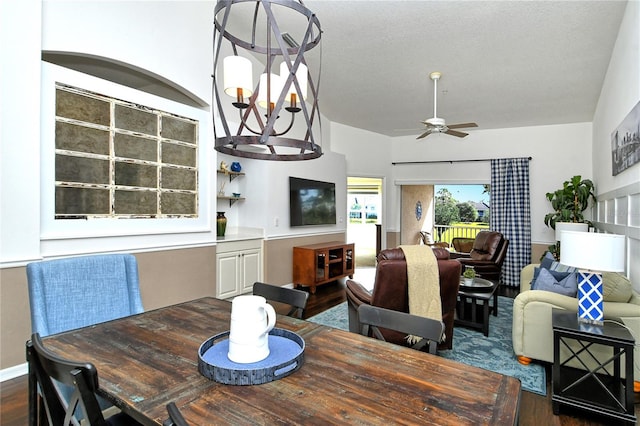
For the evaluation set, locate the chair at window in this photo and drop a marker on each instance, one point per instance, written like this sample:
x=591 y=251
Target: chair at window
x=175 y=417
x=487 y=255
x=426 y=240
x=373 y=317
x=297 y=299
x=462 y=244
x=76 y=292
x=47 y=406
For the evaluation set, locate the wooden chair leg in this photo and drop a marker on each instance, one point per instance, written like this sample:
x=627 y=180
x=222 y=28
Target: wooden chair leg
x=524 y=360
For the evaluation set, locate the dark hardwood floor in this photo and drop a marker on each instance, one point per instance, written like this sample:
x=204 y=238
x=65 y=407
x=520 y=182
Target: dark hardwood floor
x=534 y=409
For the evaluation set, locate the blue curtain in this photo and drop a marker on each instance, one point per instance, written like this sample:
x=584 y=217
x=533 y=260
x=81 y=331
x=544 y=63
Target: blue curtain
x=511 y=214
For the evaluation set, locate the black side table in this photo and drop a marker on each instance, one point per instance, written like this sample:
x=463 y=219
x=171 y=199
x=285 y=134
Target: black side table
x=600 y=388
x=470 y=298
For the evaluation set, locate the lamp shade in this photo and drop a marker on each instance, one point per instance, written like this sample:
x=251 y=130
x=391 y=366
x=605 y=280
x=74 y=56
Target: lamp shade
x=276 y=88
x=301 y=76
x=593 y=251
x=570 y=226
x=237 y=75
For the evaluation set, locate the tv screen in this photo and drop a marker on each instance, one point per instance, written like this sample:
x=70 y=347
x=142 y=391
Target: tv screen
x=311 y=202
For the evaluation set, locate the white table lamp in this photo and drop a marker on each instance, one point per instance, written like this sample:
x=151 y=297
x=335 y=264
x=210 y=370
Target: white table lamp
x=592 y=253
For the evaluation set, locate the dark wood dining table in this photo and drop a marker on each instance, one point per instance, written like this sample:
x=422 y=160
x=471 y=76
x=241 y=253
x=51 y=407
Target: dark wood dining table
x=148 y=360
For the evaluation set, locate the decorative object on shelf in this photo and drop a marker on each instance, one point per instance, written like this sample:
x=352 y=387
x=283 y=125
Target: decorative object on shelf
x=236 y=195
x=221 y=189
x=595 y=253
x=469 y=275
x=221 y=224
x=223 y=166
x=625 y=142
x=256 y=135
x=236 y=167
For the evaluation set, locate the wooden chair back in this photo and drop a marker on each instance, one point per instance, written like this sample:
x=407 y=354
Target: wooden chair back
x=372 y=318
x=175 y=416
x=45 y=402
x=297 y=299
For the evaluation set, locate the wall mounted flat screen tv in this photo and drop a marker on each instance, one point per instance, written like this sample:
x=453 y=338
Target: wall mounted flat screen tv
x=311 y=202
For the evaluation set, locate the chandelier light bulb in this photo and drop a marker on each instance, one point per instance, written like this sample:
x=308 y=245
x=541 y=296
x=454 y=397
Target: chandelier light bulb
x=275 y=86
x=238 y=79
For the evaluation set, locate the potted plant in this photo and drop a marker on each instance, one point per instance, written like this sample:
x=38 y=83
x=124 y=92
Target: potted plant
x=569 y=203
x=469 y=275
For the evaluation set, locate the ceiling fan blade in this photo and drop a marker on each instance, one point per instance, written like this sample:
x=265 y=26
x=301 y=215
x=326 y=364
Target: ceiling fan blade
x=425 y=134
x=456 y=133
x=461 y=125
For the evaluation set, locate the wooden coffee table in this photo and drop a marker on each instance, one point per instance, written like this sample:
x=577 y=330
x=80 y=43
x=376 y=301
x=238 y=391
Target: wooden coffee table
x=474 y=304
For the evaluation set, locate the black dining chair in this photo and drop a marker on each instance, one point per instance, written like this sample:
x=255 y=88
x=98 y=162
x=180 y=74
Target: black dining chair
x=175 y=416
x=297 y=299
x=46 y=406
x=372 y=317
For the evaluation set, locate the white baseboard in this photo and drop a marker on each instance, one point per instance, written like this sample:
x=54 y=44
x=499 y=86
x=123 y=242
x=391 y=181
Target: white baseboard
x=13 y=372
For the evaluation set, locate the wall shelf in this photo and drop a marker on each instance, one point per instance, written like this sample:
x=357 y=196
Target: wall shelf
x=232 y=175
x=232 y=200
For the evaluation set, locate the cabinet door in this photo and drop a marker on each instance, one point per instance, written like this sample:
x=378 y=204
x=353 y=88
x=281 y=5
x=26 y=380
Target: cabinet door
x=251 y=269
x=228 y=274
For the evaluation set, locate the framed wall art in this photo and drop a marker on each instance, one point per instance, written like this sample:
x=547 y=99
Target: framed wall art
x=625 y=142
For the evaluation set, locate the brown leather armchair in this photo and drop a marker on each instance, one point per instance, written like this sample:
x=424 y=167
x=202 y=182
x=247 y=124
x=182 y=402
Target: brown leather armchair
x=390 y=291
x=487 y=255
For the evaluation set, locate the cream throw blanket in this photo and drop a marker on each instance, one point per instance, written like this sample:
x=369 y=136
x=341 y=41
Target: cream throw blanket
x=423 y=281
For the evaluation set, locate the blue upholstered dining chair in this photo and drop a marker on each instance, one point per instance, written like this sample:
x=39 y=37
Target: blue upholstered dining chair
x=75 y=292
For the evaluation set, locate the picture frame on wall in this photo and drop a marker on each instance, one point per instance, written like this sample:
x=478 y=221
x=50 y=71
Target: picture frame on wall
x=625 y=142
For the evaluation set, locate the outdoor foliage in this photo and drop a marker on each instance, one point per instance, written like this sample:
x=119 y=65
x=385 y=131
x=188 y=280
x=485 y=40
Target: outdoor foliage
x=446 y=210
x=467 y=212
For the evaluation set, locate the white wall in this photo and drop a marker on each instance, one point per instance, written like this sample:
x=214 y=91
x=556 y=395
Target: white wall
x=171 y=39
x=20 y=36
x=558 y=153
x=619 y=196
x=620 y=93
x=265 y=187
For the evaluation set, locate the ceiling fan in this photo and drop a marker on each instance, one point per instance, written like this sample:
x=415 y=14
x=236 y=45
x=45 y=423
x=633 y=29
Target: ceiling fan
x=437 y=124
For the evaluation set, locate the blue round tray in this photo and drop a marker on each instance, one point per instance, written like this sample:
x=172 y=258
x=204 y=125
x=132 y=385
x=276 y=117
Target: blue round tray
x=286 y=355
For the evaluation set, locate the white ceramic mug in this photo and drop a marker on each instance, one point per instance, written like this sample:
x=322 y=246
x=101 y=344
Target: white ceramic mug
x=252 y=318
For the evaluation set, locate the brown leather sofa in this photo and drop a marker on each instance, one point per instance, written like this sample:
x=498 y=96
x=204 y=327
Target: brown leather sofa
x=390 y=291
x=487 y=255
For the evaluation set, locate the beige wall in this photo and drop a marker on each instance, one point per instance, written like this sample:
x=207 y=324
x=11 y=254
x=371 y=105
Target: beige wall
x=166 y=277
x=278 y=255
x=410 y=226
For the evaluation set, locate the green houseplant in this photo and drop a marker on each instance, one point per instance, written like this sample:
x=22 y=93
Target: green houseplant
x=469 y=275
x=569 y=203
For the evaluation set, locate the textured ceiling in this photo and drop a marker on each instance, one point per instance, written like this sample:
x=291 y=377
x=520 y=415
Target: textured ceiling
x=503 y=63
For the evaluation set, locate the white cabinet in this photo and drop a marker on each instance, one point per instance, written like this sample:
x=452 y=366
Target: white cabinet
x=238 y=266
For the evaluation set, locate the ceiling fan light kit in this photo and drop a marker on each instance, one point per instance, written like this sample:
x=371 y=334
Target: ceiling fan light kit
x=437 y=124
x=259 y=134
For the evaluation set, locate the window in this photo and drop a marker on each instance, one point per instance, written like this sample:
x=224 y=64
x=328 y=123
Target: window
x=145 y=163
x=123 y=160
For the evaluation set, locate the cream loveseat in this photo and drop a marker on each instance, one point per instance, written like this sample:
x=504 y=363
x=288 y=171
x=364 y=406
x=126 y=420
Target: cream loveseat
x=532 y=330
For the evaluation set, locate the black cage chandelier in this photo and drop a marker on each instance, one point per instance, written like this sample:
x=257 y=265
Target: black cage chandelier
x=267 y=128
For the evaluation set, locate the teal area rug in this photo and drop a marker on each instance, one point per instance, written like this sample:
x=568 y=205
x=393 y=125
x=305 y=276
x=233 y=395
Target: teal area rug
x=470 y=347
